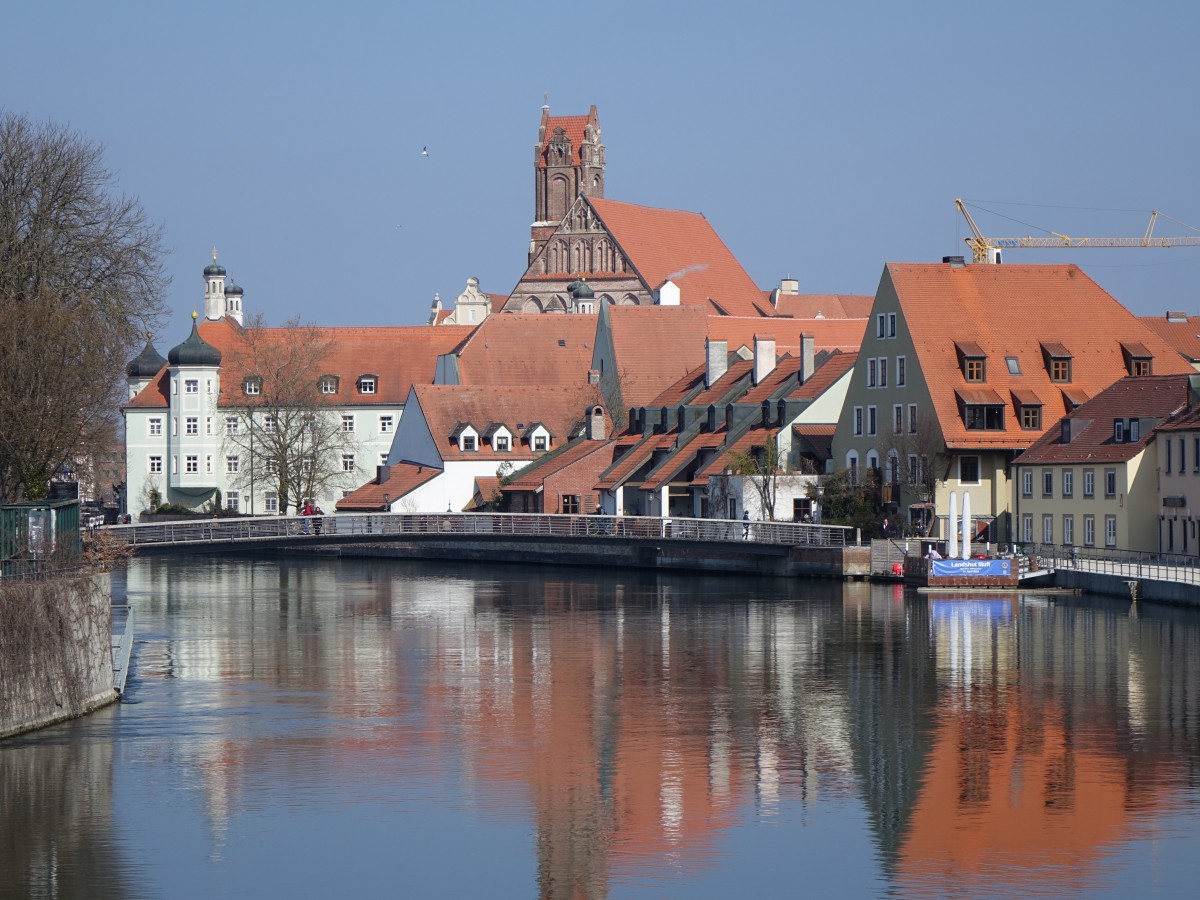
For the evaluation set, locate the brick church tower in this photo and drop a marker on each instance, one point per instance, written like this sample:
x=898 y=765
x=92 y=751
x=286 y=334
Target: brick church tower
x=568 y=160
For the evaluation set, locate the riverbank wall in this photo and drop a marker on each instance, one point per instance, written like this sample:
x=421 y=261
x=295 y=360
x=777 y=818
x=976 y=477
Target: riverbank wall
x=1175 y=593
x=55 y=650
x=673 y=555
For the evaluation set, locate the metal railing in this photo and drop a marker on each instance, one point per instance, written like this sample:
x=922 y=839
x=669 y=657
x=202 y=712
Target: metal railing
x=371 y=525
x=1131 y=564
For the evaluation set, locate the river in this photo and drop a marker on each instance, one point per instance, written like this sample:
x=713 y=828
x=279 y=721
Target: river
x=324 y=728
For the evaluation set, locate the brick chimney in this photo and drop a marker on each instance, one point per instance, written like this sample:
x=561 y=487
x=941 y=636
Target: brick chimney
x=595 y=424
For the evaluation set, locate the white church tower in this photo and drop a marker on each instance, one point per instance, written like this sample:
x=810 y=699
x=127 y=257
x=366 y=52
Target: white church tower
x=214 y=290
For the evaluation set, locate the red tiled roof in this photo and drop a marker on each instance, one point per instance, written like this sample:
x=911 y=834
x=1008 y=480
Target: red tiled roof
x=1179 y=331
x=447 y=406
x=824 y=306
x=155 y=395
x=1024 y=397
x=399 y=357
x=636 y=457
x=1146 y=396
x=573 y=126
x=1015 y=310
x=828 y=334
x=674 y=464
x=533 y=475
x=404 y=478
x=655 y=346
x=529 y=350
x=668 y=244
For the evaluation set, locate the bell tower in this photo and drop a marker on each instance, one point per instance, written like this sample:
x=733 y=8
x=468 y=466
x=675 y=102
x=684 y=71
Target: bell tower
x=568 y=161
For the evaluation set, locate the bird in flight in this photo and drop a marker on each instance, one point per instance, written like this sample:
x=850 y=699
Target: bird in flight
x=424 y=151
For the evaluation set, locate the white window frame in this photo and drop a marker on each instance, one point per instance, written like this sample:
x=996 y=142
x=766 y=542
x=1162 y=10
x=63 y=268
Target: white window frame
x=347 y=423
x=154 y=464
x=191 y=464
x=233 y=426
x=367 y=384
x=387 y=424
x=348 y=462
x=191 y=385
x=191 y=425
x=891 y=325
x=1047 y=528
x=858 y=421
x=1089 y=531
x=271 y=502
x=233 y=501
x=1027 y=483
x=233 y=463
x=1110 y=531
x=897 y=418
x=1068 y=483
x=883 y=370
x=1027 y=528
x=1068 y=529
x=1089 y=482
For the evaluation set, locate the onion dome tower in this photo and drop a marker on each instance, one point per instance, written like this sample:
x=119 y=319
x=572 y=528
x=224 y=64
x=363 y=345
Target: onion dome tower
x=143 y=367
x=214 y=289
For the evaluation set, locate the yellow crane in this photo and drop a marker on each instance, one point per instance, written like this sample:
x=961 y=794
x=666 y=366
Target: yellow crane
x=985 y=250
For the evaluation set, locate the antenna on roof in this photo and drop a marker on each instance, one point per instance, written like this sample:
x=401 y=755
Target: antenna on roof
x=545 y=99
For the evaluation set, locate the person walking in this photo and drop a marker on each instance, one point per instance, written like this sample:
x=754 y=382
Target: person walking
x=746 y=525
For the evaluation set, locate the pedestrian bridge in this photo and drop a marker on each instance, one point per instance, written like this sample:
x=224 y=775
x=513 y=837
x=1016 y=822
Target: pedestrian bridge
x=344 y=528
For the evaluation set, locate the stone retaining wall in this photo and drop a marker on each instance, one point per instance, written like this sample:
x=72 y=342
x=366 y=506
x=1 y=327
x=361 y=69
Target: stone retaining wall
x=56 y=652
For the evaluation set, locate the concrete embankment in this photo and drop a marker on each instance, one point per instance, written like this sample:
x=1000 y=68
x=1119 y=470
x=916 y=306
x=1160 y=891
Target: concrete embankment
x=55 y=652
x=1176 y=593
x=694 y=556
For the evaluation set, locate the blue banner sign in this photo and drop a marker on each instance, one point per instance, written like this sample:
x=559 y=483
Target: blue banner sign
x=970 y=568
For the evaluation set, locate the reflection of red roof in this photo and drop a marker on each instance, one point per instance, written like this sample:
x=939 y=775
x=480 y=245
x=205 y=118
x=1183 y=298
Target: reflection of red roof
x=682 y=247
x=404 y=478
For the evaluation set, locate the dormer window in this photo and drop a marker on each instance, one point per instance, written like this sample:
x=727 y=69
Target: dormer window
x=367 y=384
x=1134 y=431
x=982 y=410
x=328 y=384
x=539 y=442
x=1138 y=360
x=972 y=360
x=467 y=442
x=1118 y=431
x=252 y=386
x=500 y=443
x=1058 y=362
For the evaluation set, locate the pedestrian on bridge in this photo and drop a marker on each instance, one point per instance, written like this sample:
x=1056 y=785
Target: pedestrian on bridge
x=746 y=525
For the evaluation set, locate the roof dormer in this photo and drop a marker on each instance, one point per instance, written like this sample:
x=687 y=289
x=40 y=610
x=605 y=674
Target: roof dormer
x=466 y=437
x=972 y=361
x=1058 y=362
x=1138 y=359
x=499 y=436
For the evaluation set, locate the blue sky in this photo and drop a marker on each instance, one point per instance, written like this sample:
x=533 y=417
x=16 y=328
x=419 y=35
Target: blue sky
x=820 y=140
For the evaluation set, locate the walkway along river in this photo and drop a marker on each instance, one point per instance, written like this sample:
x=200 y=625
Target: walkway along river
x=308 y=728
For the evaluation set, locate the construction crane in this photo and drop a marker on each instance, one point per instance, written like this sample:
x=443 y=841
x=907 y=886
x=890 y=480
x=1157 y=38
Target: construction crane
x=987 y=250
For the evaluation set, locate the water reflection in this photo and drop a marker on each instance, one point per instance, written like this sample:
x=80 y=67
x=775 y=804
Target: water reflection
x=586 y=734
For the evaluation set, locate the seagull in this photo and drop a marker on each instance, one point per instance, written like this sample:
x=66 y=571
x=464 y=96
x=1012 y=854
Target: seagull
x=424 y=151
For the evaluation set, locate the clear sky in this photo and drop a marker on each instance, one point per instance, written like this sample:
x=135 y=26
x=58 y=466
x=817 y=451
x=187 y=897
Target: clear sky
x=821 y=140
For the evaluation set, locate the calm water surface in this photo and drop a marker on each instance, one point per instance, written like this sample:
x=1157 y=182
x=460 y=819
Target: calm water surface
x=319 y=728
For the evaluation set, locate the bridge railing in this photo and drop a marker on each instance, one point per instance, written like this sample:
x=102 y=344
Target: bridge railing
x=597 y=527
x=1134 y=564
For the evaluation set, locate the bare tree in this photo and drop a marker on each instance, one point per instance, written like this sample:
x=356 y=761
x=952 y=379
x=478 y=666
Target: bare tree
x=767 y=471
x=81 y=280
x=920 y=462
x=288 y=431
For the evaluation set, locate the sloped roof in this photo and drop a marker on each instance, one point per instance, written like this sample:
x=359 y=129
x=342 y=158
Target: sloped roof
x=533 y=475
x=1016 y=310
x=634 y=458
x=815 y=440
x=398 y=356
x=517 y=349
x=1146 y=396
x=655 y=346
x=447 y=406
x=824 y=306
x=828 y=334
x=669 y=244
x=573 y=126
x=1180 y=331
x=403 y=478
x=155 y=395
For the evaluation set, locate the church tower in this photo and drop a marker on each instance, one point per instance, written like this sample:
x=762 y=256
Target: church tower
x=568 y=160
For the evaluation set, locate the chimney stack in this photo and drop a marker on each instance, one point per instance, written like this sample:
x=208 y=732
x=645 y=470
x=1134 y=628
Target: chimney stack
x=717 y=354
x=808 y=356
x=595 y=423
x=764 y=356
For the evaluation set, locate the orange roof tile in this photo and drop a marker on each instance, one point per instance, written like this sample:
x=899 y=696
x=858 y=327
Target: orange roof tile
x=155 y=395
x=573 y=127
x=529 y=350
x=1179 y=331
x=636 y=457
x=668 y=244
x=533 y=475
x=1015 y=310
x=398 y=356
x=403 y=478
x=641 y=336
x=824 y=306
x=446 y=407
x=828 y=334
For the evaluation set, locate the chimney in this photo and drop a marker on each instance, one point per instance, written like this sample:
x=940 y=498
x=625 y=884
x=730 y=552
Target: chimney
x=717 y=354
x=667 y=294
x=382 y=474
x=808 y=356
x=789 y=285
x=593 y=376
x=764 y=356
x=766 y=414
x=595 y=424
x=711 y=424
x=729 y=415
x=955 y=262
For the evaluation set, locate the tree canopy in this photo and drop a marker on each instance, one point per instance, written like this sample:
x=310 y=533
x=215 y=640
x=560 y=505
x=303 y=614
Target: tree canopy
x=81 y=281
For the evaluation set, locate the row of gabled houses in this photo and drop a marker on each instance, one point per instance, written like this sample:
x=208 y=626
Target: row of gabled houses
x=636 y=368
